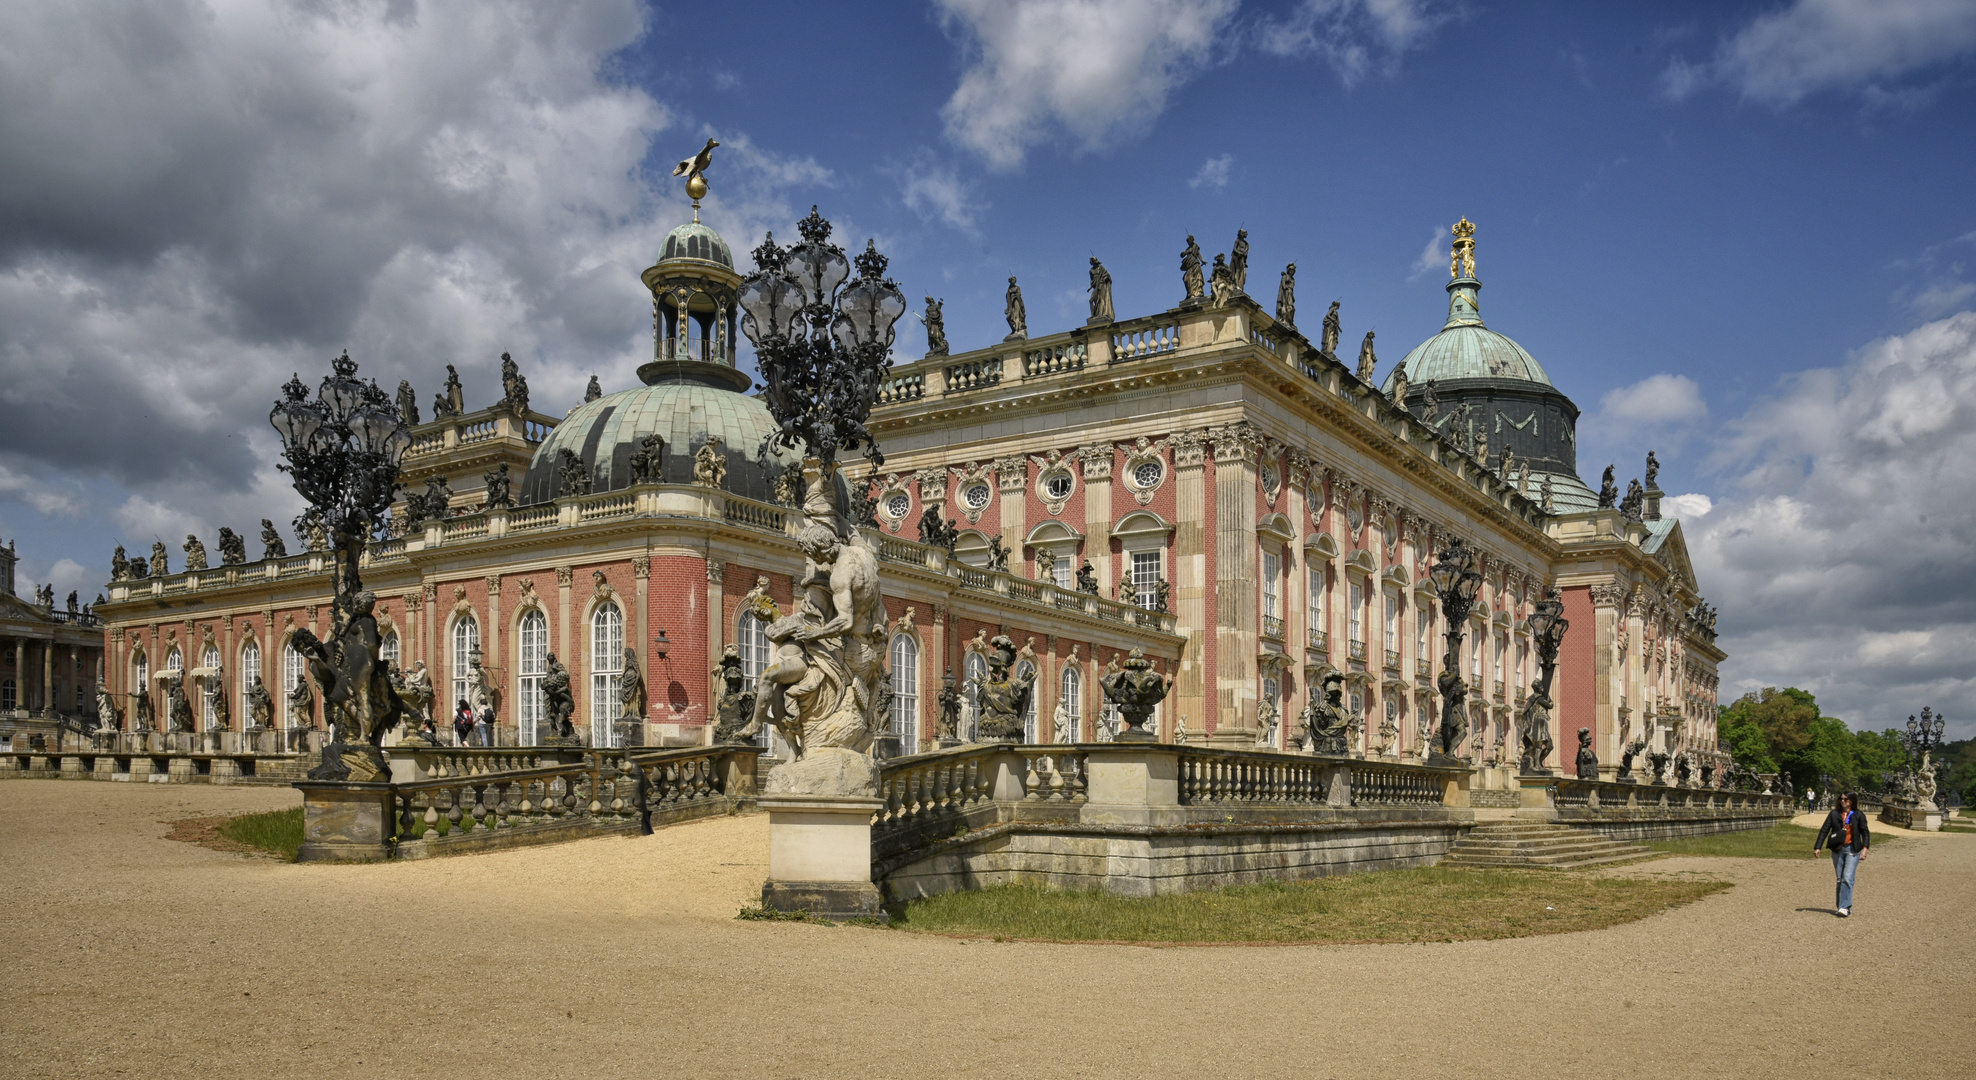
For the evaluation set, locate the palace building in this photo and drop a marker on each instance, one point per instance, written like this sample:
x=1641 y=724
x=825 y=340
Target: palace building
x=49 y=659
x=1204 y=483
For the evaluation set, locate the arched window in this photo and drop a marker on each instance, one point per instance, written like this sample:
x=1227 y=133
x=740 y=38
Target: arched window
x=751 y=635
x=174 y=661
x=250 y=669
x=1358 y=712
x=466 y=642
x=211 y=662
x=294 y=669
x=140 y=673
x=531 y=665
x=973 y=670
x=387 y=648
x=905 y=692
x=1070 y=703
x=606 y=670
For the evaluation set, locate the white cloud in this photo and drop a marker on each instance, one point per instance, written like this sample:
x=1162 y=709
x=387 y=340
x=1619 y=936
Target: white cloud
x=936 y=191
x=1657 y=399
x=1687 y=506
x=1432 y=257
x=1843 y=559
x=1090 y=69
x=1214 y=173
x=1840 y=45
x=203 y=198
x=1353 y=35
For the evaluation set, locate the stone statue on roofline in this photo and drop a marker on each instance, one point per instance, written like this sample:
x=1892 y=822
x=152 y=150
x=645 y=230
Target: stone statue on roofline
x=233 y=549
x=936 y=328
x=499 y=487
x=160 y=559
x=1608 y=490
x=1190 y=272
x=1367 y=359
x=1286 y=297
x=119 y=565
x=514 y=386
x=408 y=404
x=1014 y=311
x=1238 y=261
x=1101 y=293
x=1400 y=388
x=272 y=545
x=592 y=390
x=1333 y=329
x=1653 y=470
x=456 y=396
x=1221 y=283
x=709 y=464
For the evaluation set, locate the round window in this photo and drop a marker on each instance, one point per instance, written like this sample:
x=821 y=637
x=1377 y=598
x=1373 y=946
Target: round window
x=976 y=497
x=898 y=505
x=1148 y=474
x=1058 y=486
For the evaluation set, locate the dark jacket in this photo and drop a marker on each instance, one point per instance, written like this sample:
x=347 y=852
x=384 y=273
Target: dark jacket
x=1835 y=828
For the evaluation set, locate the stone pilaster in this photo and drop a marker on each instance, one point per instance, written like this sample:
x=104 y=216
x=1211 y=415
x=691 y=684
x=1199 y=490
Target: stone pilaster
x=563 y=576
x=1190 y=569
x=1096 y=463
x=1237 y=616
x=1012 y=477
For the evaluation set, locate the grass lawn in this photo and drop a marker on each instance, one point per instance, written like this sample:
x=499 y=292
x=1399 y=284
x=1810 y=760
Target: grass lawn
x=1782 y=841
x=277 y=831
x=1396 y=905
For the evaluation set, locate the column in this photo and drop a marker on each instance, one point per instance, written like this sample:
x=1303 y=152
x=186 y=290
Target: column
x=1190 y=569
x=20 y=673
x=1237 y=617
x=641 y=571
x=491 y=645
x=716 y=624
x=563 y=576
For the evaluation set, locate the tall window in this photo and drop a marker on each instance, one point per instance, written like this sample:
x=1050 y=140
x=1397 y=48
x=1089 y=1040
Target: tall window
x=250 y=669
x=1070 y=701
x=1358 y=613
x=1392 y=622
x=531 y=665
x=1502 y=654
x=1423 y=623
x=1316 y=600
x=905 y=692
x=1475 y=652
x=388 y=649
x=211 y=662
x=140 y=673
x=1522 y=665
x=752 y=636
x=9 y=695
x=466 y=641
x=174 y=661
x=1272 y=566
x=293 y=670
x=1146 y=577
x=1064 y=571
x=606 y=672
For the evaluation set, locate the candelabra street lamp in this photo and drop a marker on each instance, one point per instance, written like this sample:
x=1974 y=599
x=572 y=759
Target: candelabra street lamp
x=342 y=453
x=1925 y=735
x=1547 y=627
x=1457 y=583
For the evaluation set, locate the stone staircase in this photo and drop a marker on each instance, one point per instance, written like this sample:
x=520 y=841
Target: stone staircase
x=1535 y=845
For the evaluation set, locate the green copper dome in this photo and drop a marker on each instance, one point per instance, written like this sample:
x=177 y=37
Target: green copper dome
x=1467 y=349
x=697 y=242
x=605 y=433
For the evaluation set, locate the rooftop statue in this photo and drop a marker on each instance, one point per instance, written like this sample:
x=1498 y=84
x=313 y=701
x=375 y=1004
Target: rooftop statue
x=1430 y=403
x=1608 y=491
x=1101 y=292
x=1190 y=270
x=695 y=167
x=1017 y=315
x=936 y=328
x=1046 y=564
x=408 y=404
x=514 y=386
x=1545 y=495
x=1328 y=343
x=571 y=477
x=119 y=565
x=709 y=464
x=160 y=561
x=1221 y=283
x=1653 y=470
x=937 y=533
x=499 y=490
x=592 y=390
x=1238 y=260
x=233 y=549
x=1634 y=504
x=1087 y=578
x=1400 y=387
x=140 y=568
x=1286 y=297
x=1367 y=359
x=1136 y=691
x=1461 y=260
x=998 y=554
x=648 y=461
x=456 y=396
x=438 y=497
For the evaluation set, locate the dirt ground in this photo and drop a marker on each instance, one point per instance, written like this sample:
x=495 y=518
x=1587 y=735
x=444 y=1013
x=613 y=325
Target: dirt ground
x=125 y=952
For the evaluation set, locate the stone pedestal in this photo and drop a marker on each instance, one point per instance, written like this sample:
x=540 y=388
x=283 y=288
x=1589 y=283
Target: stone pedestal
x=819 y=856
x=1538 y=798
x=1130 y=784
x=345 y=822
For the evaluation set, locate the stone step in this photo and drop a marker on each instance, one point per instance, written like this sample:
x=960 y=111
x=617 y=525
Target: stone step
x=1463 y=862
x=1540 y=845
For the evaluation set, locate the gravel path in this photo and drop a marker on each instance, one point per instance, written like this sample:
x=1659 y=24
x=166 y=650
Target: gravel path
x=127 y=953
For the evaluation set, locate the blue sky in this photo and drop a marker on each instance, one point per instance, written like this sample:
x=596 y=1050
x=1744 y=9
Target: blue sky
x=1737 y=233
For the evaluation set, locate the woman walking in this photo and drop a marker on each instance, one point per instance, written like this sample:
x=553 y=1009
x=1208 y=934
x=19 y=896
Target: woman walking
x=1845 y=833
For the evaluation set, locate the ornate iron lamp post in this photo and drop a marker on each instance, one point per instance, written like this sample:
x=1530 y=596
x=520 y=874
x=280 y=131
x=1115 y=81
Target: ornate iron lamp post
x=1925 y=735
x=342 y=453
x=1456 y=583
x=1547 y=627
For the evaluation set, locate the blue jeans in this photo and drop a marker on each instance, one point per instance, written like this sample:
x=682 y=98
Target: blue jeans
x=1845 y=864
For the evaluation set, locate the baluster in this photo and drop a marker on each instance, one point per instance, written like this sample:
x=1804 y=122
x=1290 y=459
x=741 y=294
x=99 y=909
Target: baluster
x=503 y=806
x=408 y=822
x=480 y=806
